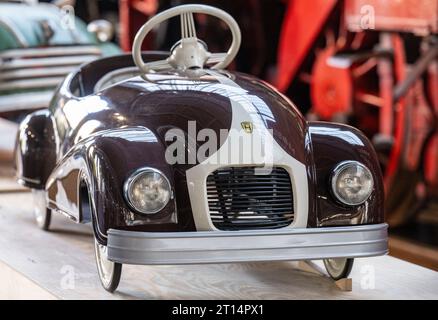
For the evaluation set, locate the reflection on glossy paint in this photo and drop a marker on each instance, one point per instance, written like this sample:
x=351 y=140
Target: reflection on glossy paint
x=347 y=136
x=252 y=104
x=136 y=134
x=75 y=111
x=118 y=117
x=87 y=129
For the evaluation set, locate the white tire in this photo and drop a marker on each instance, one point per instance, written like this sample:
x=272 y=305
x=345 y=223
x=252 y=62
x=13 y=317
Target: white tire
x=42 y=214
x=109 y=272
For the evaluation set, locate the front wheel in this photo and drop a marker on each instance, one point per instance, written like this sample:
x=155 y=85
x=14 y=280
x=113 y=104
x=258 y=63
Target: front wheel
x=43 y=215
x=338 y=268
x=109 y=272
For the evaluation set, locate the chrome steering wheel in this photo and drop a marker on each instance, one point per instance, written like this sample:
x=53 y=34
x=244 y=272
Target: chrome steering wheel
x=190 y=52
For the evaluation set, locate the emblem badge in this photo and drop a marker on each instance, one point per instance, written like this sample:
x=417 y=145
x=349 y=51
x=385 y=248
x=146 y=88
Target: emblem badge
x=247 y=126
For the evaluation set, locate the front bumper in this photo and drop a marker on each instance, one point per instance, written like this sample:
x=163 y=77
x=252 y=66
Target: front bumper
x=241 y=246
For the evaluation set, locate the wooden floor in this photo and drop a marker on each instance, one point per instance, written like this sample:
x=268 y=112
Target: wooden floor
x=60 y=265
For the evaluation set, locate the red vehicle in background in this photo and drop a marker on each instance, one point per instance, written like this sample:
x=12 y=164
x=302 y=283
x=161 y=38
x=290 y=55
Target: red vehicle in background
x=372 y=64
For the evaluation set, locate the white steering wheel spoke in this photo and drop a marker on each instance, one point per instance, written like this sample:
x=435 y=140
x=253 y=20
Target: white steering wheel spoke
x=158 y=65
x=189 y=52
x=188 y=29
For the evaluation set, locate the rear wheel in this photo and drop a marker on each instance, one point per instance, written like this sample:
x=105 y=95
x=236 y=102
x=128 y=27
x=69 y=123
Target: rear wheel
x=42 y=214
x=109 y=272
x=338 y=268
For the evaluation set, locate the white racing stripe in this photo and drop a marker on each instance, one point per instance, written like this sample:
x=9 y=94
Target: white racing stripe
x=246 y=108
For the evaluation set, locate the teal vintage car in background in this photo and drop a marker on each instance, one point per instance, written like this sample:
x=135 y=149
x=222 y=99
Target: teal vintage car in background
x=39 y=46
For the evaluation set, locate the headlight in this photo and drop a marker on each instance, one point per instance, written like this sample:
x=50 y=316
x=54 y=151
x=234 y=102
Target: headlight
x=352 y=183
x=147 y=191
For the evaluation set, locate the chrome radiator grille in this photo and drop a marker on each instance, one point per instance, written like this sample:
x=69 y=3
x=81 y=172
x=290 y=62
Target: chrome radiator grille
x=41 y=68
x=239 y=199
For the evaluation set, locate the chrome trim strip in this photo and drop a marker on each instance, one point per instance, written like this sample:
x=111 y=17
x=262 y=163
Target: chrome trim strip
x=46 y=62
x=36 y=73
x=51 y=51
x=65 y=214
x=151 y=248
x=31 y=83
x=23 y=180
x=53 y=205
x=25 y=101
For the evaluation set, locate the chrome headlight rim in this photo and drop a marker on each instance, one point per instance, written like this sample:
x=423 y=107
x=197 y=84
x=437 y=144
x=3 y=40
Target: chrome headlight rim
x=335 y=175
x=133 y=178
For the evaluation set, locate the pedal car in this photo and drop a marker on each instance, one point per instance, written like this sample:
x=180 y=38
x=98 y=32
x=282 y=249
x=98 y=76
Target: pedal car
x=174 y=160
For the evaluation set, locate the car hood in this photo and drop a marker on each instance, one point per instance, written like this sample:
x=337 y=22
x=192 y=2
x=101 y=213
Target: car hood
x=162 y=102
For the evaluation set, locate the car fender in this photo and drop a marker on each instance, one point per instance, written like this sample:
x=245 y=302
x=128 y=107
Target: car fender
x=35 y=150
x=332 y=144
x=102 y=162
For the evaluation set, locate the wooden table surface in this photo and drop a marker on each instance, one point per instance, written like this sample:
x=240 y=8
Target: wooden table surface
x=60 y=265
